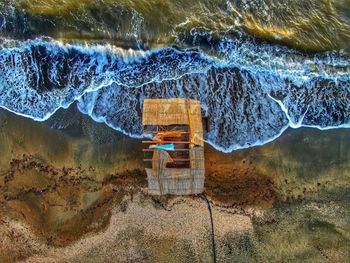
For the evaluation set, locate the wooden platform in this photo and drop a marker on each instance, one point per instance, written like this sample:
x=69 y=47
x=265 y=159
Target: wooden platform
x=177 y=122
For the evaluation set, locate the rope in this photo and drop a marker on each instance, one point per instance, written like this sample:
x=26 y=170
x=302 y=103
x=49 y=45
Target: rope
x=204 y=197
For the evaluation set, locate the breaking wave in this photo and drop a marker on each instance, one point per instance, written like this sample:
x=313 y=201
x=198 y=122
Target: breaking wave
x=251 y=91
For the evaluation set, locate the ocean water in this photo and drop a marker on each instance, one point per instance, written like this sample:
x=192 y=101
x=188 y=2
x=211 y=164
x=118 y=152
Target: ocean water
x=258 y=67
x=317 y=25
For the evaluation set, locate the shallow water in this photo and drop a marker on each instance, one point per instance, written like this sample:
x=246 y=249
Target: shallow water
x=308 y=25
x=252 y=89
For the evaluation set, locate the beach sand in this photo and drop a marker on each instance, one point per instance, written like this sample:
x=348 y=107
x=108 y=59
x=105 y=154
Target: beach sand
x=77 y=192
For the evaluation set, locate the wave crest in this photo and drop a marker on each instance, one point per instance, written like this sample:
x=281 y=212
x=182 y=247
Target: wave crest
x=252 y=91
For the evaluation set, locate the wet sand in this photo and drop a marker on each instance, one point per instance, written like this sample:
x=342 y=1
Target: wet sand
x=79 y=194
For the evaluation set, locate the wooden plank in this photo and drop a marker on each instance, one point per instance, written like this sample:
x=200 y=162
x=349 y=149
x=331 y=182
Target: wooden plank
x=155 y=132
x=175 y=150
x=175 y=160
x=167 y=142
x=207 y=123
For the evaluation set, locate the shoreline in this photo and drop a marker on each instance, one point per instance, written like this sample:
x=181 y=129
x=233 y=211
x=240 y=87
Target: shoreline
x=65 y=185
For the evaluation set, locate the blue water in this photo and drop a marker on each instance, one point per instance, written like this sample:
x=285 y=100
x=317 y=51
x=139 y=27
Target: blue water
x=252 y=91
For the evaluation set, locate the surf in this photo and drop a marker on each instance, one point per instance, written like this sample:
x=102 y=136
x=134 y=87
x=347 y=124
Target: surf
x=252 y=91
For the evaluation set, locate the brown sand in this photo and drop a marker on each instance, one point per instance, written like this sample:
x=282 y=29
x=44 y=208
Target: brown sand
x=184 y=220
x=81 y=198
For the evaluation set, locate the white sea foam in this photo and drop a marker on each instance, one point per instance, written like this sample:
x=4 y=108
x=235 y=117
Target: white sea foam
x=253 y=92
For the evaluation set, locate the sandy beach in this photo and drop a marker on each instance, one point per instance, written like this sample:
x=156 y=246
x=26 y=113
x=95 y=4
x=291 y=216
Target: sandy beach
x=79 y=194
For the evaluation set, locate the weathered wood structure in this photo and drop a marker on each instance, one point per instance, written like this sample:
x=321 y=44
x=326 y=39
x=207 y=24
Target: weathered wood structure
x=176 y=148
